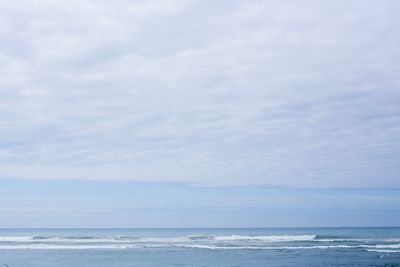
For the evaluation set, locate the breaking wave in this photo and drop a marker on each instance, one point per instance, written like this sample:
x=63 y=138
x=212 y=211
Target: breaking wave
x=269 y=238
x=86 y=239
x=372 y=248
x=210 y=242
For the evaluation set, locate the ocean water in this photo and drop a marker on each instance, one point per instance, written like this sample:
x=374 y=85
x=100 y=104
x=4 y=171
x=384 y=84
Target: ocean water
x=200 y=247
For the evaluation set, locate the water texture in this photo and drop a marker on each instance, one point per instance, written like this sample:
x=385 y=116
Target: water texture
x=200 y=247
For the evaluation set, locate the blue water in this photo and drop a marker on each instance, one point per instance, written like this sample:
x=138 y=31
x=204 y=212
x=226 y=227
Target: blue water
x=200 y=247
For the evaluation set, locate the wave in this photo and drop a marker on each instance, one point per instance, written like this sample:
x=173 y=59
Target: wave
x=376 y=248
x=211 y=242
x=87 y=239
x=322 y=238
x=268 y=238
x=46 y=239
x=64 y=247
x=384 y=250
x=371 y=248
x=16 y=238
x=262 y=247
x=392 y=246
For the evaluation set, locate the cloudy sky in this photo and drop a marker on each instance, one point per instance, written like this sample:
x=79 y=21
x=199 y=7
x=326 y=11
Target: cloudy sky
x=204 y=97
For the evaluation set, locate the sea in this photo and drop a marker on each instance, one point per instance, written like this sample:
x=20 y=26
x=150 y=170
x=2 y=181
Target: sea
x=200 y=247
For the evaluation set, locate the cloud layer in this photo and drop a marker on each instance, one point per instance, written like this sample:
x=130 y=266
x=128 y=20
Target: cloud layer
x=279 y=93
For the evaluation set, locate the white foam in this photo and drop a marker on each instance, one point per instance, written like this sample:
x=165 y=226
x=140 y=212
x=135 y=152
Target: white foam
x=218 y=242
x=111 y=239
x=328 y=240
x=391 y=240
x=29 y=239
x=376 y=248
x=267 y=238
x=164 y=239
x=372 y=248
x=64 y=247
x=16 y=238
x=392 y=246
x=360 y=240
x=178 y=239
x=384 y=250
x=262 y=247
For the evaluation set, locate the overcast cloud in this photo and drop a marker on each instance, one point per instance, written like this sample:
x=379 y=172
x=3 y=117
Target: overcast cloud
x=278 y=93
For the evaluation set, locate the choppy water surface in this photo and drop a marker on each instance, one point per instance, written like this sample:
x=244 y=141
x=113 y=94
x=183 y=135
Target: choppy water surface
x=201 y=247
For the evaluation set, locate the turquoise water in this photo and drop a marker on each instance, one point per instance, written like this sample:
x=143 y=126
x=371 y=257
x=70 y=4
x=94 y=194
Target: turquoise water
x=200 y=247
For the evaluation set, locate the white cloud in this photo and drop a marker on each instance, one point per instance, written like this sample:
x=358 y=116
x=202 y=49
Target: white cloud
x=298 y=93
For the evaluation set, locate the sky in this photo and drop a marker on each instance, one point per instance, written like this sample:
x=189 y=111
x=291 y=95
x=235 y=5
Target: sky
x=169 y=113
